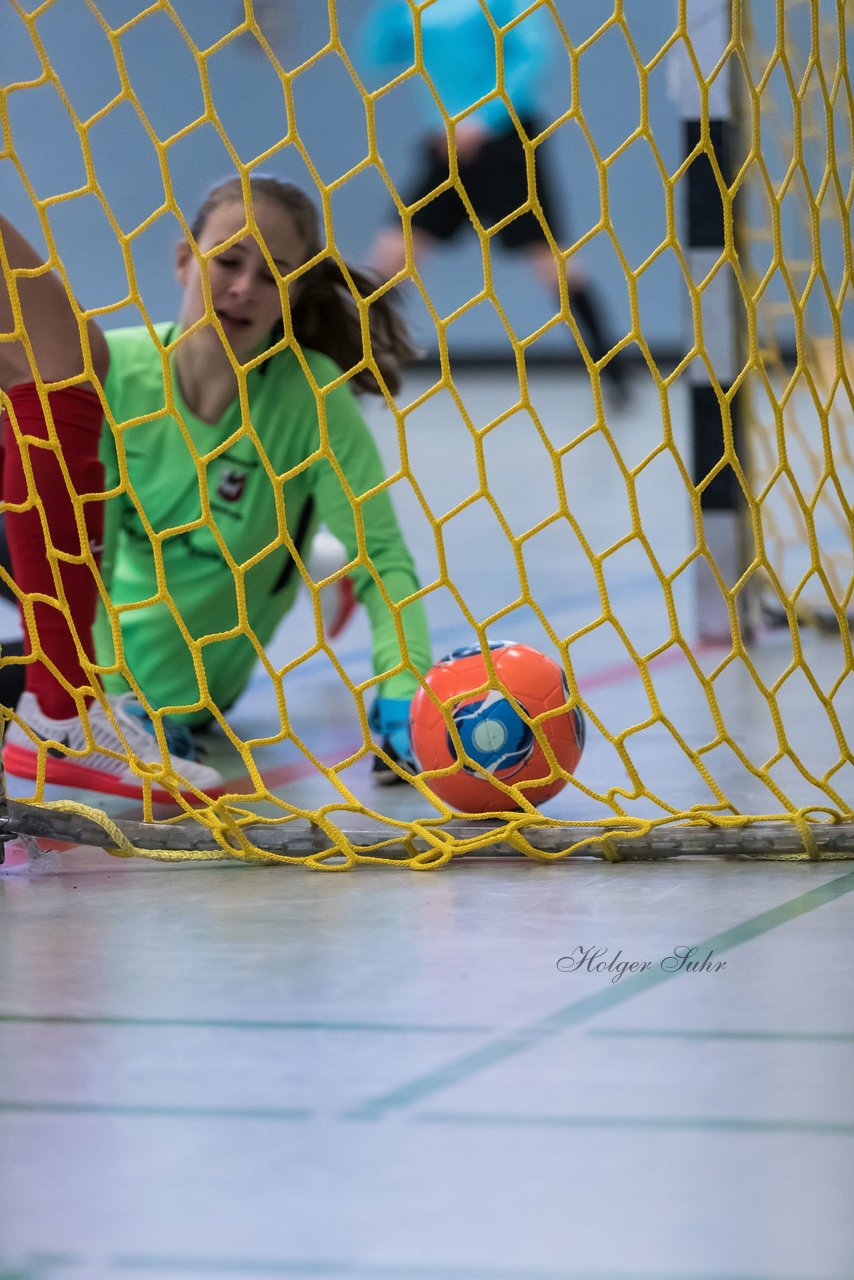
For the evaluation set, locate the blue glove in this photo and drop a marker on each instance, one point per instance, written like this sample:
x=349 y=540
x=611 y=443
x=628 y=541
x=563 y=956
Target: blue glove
x=389 y=722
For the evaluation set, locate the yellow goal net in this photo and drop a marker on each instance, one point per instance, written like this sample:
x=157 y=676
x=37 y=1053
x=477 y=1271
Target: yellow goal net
x=687 y=562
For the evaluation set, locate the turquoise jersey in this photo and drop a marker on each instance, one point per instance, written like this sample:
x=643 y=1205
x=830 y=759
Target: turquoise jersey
x=199 y=538
x=458 y=47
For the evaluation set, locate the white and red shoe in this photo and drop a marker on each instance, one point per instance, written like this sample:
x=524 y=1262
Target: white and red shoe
x=110 y=753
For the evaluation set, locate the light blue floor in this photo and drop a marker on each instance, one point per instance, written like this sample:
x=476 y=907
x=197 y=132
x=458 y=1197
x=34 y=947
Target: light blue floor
x=231 y=1071
x=226 y=1071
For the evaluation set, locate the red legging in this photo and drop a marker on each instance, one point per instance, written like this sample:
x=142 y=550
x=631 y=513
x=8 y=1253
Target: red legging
x=77 y=416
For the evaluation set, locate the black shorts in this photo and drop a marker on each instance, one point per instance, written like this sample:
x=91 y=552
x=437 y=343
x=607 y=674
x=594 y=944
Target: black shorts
x=496 y=182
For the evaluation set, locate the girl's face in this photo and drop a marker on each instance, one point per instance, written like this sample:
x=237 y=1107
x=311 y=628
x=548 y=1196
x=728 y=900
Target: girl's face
x=244 y=291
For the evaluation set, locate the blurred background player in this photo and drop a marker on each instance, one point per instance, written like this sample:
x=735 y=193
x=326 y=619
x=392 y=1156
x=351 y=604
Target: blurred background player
x=459 y=53
x=228 y=346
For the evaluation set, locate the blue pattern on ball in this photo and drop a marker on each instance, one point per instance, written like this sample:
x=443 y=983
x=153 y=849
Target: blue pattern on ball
x=494 y=735
x=473 y=650
x=580 y=727
x=577 y=715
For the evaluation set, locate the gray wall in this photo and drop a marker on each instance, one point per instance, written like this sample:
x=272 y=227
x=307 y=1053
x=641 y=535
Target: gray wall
x=249 y=102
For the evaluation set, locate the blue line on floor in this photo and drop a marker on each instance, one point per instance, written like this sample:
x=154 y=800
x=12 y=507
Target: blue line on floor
x=527 y=1037
x=154 y=1112
x=707 y=1124
x=697 y=1033
x=238 y=1024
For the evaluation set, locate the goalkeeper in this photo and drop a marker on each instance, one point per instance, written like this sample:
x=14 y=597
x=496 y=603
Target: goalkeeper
x=229 y=449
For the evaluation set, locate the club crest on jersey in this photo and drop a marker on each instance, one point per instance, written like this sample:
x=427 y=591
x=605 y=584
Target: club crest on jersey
x=231 y=484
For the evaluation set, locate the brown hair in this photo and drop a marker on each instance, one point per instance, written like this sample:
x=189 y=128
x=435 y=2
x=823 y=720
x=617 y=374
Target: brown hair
x=325 y=315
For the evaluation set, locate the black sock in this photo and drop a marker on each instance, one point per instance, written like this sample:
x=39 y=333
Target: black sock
x=588 y=312
x=590 y=316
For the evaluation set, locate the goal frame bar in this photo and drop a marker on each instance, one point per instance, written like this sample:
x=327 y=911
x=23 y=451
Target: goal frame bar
x=301 y=839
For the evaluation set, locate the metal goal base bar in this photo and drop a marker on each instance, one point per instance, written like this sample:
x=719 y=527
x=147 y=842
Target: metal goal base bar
x=777 y=840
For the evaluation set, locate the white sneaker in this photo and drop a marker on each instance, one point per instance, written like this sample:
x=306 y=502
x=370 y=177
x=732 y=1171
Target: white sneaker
x=338 y=600
x=96 y=755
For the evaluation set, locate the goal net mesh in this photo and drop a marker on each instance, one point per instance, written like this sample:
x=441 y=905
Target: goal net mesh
x=758 y=737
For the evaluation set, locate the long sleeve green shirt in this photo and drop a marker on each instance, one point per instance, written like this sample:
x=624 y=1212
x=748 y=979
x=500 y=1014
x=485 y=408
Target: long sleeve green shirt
x=205 y=519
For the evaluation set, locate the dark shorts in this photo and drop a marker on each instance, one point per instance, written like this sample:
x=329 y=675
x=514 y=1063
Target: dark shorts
x=496 y=182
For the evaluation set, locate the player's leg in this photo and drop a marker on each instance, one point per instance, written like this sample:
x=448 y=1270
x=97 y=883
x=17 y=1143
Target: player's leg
x=388 y=253
x=439 y=218
x=44 y=339
x=505 y=179
x=589 y=314
x=46 y=342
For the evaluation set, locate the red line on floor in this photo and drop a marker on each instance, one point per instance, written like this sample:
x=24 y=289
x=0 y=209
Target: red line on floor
x=297 y=770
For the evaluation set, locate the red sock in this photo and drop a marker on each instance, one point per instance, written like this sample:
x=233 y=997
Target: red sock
x=77 y=416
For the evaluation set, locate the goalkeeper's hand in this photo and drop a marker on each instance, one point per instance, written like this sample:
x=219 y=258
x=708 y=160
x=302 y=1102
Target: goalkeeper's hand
x=389 y=723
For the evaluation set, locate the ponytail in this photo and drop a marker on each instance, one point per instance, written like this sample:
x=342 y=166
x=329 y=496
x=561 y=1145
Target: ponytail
x=326 y=316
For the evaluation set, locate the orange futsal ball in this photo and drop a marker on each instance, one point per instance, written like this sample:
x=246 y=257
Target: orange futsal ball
x=501 y=727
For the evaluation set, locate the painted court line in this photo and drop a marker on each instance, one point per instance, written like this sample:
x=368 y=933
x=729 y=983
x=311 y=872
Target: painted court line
x=296 y=771
x=695 y=1033
x=240 y=1024
x=535 y=1033
x=350 y=1270
x=451 y=634
x=678 y=1124
x=37 y=1265
x=154 y=1112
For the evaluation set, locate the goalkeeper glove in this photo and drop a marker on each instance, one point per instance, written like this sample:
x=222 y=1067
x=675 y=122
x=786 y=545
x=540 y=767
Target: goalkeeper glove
x=389 y=722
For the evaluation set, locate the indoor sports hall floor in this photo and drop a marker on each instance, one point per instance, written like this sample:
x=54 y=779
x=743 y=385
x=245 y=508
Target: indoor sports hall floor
x=229 y=1071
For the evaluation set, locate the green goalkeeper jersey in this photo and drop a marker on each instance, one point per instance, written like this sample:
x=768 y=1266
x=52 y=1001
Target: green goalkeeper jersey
x=199 y=539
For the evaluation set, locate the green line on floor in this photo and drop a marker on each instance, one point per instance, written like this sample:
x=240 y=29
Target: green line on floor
x=526 y=1037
